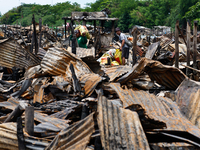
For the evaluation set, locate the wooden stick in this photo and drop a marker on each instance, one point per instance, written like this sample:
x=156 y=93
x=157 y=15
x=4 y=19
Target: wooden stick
x=134 y=46
x=17 y=112
x=20 y=134
x=190 y=68
x=176 y=45
x=188 y=47
x=29 y=120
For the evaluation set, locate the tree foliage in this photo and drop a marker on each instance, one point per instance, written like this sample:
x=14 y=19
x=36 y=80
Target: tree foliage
x=147 y=13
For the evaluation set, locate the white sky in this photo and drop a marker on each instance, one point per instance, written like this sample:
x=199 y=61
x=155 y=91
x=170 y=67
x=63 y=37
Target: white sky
x=6 y=5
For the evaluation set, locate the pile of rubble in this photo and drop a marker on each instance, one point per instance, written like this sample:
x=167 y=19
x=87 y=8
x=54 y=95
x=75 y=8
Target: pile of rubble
x=54 y=99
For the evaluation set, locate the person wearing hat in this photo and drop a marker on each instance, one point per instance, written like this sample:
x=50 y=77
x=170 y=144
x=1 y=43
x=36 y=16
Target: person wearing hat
x=82 y=40
x=124 y=47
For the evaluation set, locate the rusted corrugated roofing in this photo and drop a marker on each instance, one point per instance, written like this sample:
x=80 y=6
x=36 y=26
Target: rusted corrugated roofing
x=90 y=81
x=59 y=123
x=11 y=103
x=12 y=54
x=83 y=52
x=168 y=76
x=159 y=109
x=188 y=100
x=152 y=50
x=57 y=61
x=76 y=136
x=116 y=71
x=9 y=140
x=119 y=128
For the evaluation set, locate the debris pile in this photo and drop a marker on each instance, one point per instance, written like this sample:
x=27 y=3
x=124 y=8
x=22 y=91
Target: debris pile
x=53 y=99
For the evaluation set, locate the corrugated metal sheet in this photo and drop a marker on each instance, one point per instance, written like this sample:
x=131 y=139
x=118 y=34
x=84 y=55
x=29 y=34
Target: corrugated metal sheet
x=8 y=138
x=76 y=136
x=152 y=50
x=12 y=54
x=116 y=71
x=159 y=109
x=90 y=81
x=57 y=61
x=120 y=128
x=188 y=100
x=83 y=52
x=168 y=76
x=59 y=123
x=11 y=103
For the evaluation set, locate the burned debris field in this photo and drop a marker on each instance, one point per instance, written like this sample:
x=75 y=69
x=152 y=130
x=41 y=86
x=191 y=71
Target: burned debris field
x=56 y=94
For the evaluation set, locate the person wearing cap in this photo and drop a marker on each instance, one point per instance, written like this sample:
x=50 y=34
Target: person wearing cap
x=82 y=40
x=124 y=47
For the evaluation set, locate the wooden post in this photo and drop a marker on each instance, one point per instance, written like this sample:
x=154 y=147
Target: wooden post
x=134 y=46
x=35 y=36
x=102 y=24
x=176 y=45
x=56 y=31
x=29 y=120
x=74 y=43
x=65 y=28
x=195 y=49
x=113 y=28
x=84 y=23
x=20 y=135
x=95 y=25
x=40 y=29
x=188 y=47
x=17 y=112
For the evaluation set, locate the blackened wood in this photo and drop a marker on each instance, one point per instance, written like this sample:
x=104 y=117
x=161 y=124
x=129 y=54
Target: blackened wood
x=74 y=42
x=17 y=112
x=85 y=112
x=65 y=28
x=20 y=135
x=29 y=120
x=188 y=47
x=195 y=49
x=40 y=29
x=176 y=45
x=35 y=36
x=134 y=46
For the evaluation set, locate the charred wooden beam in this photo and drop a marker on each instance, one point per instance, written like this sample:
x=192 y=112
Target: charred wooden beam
x=35 y=36
x=188 y=47
x=20 y=134
x=29 y=120
x=195 y=46
x=17 y=112
x=176 y=45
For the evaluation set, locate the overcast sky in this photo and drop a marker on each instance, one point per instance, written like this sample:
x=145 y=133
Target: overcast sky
x=6 y=5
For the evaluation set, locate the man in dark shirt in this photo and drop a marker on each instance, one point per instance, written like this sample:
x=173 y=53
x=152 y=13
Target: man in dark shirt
x=124 y=47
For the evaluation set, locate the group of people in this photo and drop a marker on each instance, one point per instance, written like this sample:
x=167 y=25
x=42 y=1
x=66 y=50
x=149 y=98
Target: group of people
x=82 y=42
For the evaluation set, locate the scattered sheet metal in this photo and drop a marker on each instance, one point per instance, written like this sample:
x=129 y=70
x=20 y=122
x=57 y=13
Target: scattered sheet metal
x=11 y=103
x=116 y=71
x=159 y=109
x=90 y=82
x=9 y=141
x=152 y=50
x=59 y=123
x=120 y=128
x=76 y=136
x=168 y=76
x=13 y=55
x=188 y=100
x=56 y=62
x=83 y=52
x=165 y=41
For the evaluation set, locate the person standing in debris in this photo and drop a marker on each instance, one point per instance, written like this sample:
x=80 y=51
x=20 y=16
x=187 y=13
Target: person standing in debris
x=82 y=40
x=124 y=47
